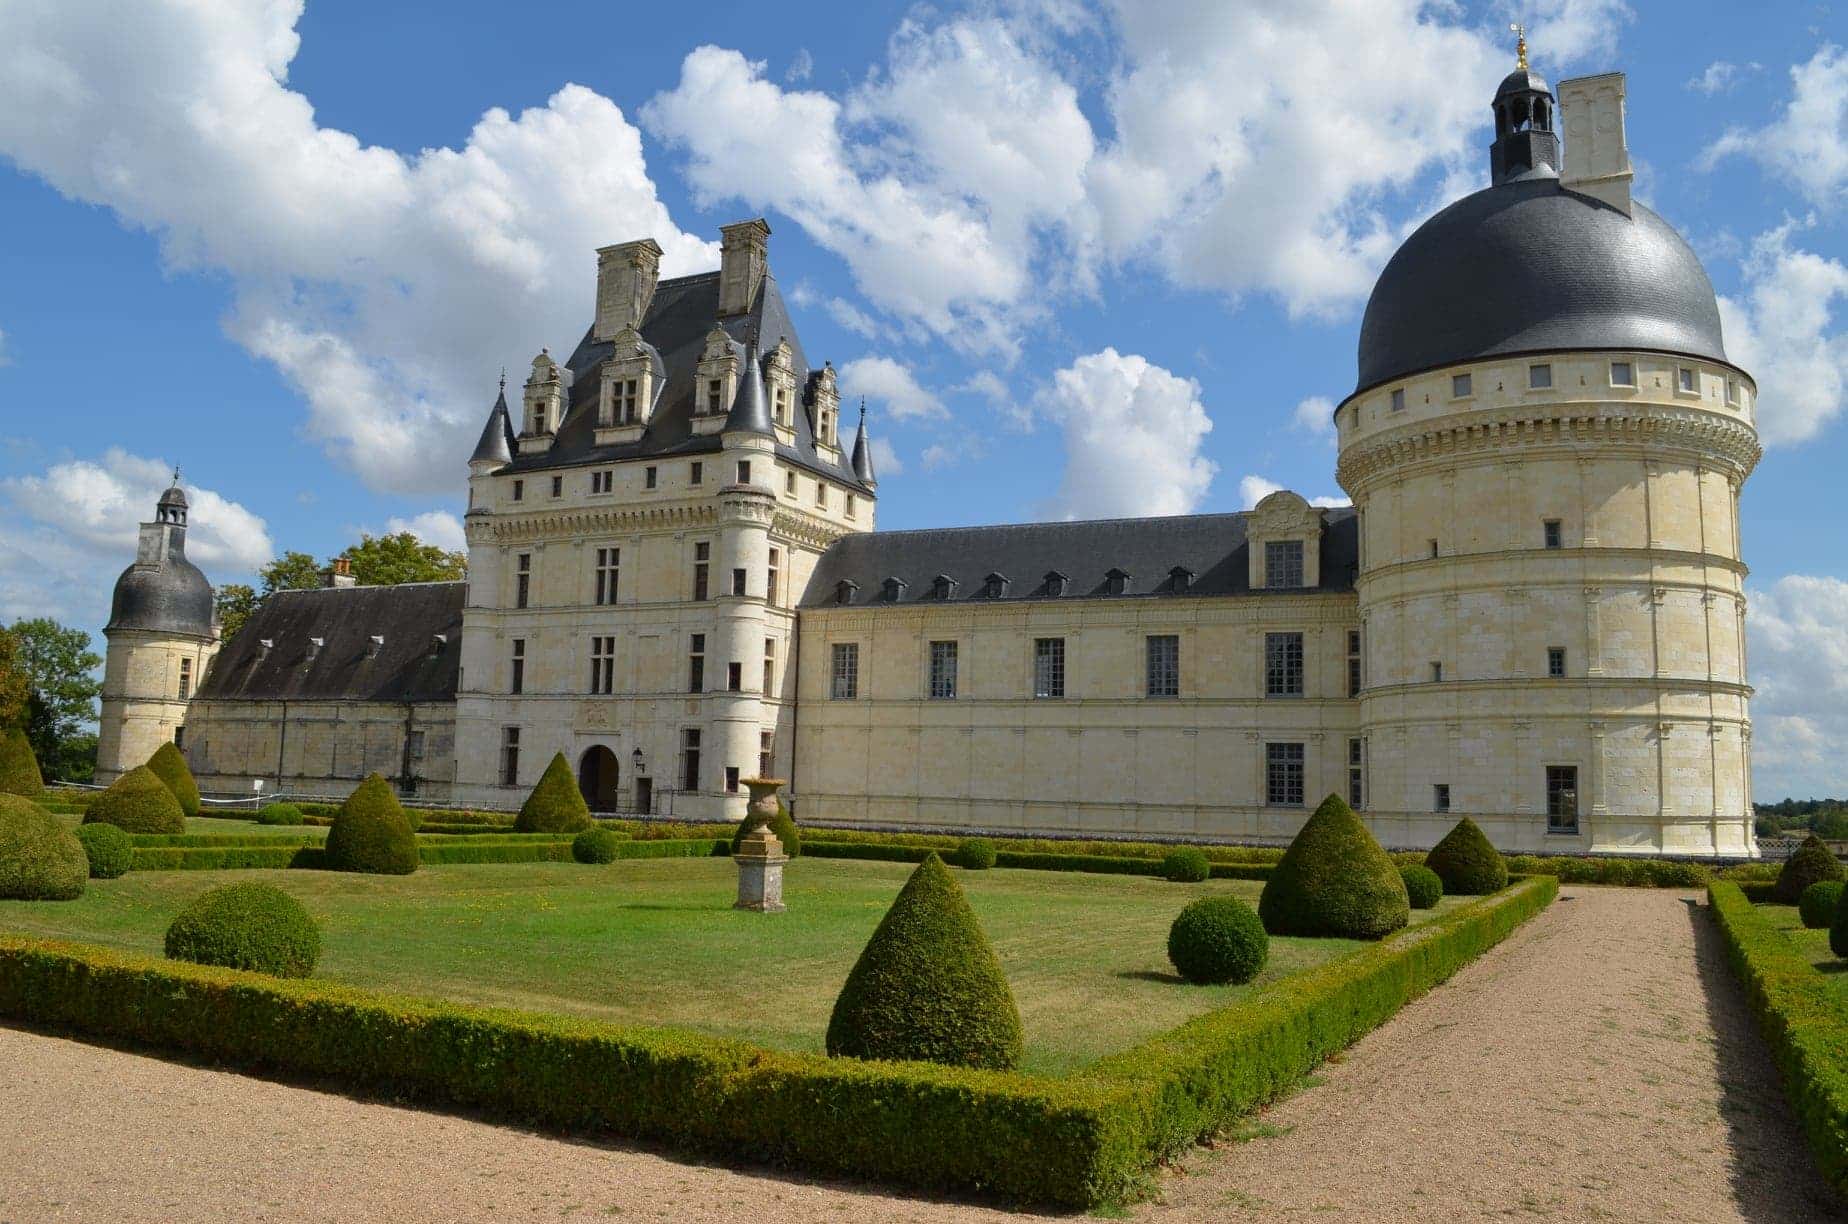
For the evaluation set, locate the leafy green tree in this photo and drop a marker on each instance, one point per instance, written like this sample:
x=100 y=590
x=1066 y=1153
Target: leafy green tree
x=235 y=601
x=388 y=560
x=15 y=684
x=60 y=669
x=293 y=571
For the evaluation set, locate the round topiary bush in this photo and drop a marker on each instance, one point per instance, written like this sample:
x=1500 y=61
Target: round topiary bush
x=1812 y=863
x=783 y=825
x=556 y=805
x=1216 y=940
x=596 y=846
x=1334 y=880
x=138 y=802
x=1423 y=888
x=279 y=814
x=1467 y=864
x=370 y=832
x=40 y=860
x=1817 y=904
x=109 y=850
x=19 y=770
x=170 y=767
x=1186 y=866
x=247 y=926
x=974 y=853
x=928 y=985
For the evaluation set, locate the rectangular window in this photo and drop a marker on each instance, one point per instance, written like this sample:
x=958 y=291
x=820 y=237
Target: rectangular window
x=510 y=756
x=630 y=401
x=516 y=680
x=650 y=476
x=1433 y=544
x=179 y=738
x=602 y=482
x=1162 y=665
x=696 y=664
x=602 y=665
x=1283 y=665
x=769 y=667
x=846 y=671
x=1283 y=775
x=1353 y=663
x=766 y=754
x=522 y=579
x=1283 y=564
x=1461 y=386
x=731 y=779
x=737 y=582
x=1398 y=400
x=1357 y=774
x=744 y=471
x=943 y=670
x=689 y=759
x=1623 y=374
x=1684 y=378
x=609 y=561
x=782 y=405
x=558 y=486
x=1732 y=391
x=1562 y=799
x=1556 y=661
x=1539 y=377
x=851 y=504
x=1552 y=534
x=185 y=678
x=519 y=490
x=773 y=575
x=789 y=484
x=1049 y=667
x=414 y=744
x=702 y=557
x=734 y=677
x=696 y=473
x=1440 y=796
x=821 y=495
x=715 y=390
x=1437 y=672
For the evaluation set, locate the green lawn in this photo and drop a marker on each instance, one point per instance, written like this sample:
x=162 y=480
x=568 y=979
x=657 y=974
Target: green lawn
x=1814 y=945
x=655 y=941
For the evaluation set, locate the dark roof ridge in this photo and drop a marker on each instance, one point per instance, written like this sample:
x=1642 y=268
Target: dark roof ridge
x=373 y=586
x=688 y=279
x=1099 y=522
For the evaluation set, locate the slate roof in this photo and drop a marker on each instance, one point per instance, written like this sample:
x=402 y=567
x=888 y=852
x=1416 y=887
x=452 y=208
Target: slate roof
x=409 y=666
x=173 y=598
x=496 y=444
x=681 y=313
x=1212 y=546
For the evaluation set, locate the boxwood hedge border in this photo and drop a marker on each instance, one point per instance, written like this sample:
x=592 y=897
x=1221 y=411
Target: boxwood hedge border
x=554 y=849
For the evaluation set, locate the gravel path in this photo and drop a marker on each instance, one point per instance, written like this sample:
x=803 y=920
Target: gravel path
x=1600 y=1065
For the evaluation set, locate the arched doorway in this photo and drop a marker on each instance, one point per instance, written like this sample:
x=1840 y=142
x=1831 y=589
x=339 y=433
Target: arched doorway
x=598 y=776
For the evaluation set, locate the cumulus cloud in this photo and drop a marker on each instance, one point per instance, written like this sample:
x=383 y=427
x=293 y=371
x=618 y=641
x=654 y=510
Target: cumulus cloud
x=81 y=516
x=1806 y=145
x=890 y=384
x=801 y=66
x=1797 y=640
x=438 y=527
x=1315 y=416
x=1254 y=489
x=1721 y=76
x=998 y=395
x=1132 y=432
x=886 y=462
x=386 y=288
x=1783 y=329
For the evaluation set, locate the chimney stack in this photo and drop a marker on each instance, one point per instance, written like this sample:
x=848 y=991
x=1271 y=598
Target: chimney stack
x=1597 y=158
x=338 y=574
x=744 y=256
x=626 y=276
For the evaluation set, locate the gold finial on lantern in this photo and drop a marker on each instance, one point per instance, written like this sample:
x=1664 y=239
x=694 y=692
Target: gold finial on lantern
x=1520 y=46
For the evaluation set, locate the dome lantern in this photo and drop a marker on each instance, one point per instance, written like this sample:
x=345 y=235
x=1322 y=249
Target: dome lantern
x=1526 y=141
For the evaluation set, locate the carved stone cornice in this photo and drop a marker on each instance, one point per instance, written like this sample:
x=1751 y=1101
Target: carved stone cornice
x=602 y=520
x=806 y=529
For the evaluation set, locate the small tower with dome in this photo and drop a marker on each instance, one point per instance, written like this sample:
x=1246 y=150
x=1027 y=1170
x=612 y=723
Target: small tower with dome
x=162 y=636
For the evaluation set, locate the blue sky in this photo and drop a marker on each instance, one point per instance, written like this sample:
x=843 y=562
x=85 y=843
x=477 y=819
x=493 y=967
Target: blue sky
x=1081 y=259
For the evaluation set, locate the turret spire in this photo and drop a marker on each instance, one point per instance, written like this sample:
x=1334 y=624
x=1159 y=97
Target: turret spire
x=863 y=452
x=495 y=448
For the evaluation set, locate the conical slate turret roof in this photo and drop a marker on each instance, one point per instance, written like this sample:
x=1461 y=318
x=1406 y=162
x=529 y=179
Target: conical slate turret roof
x=749 y=412
x=496 y=445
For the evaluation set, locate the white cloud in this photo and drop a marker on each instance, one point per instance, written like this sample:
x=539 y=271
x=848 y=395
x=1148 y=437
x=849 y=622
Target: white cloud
x=438 y=527
x=1254 y=489
x=936 y=456
x=1797 y=641
x=82 y=517
x=1782 y=329
x=6 y=358
x=1315 y=416
x=886 y=382
x=1808 y=144
x=1721 y=76
x=886 y=462
x=851 y=317
x=1133 y=433
x=999 y=395
x=386 y=288
x=801 y=66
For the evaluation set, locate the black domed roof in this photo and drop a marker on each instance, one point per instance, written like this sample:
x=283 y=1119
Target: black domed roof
x=173 y=598
x=1530 y=266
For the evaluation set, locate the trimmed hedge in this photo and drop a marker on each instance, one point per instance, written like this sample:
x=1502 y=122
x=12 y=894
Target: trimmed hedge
x=974 y=854
x=1334 y=880
x=170 y=767
x=1624 y=872
x=1216 y=940
x=1812 y=863
x=556 y=805
x=1816 y=907
x=19 y=769
x=1466 y=863
x=371 y=833
x=1801 y=1021
x=251 y=926
x=312 y=857
x=111 y=852
x=1423 y=888
x=1186 y=866
x=39 y=858
x=138 y=802
x=279 y=814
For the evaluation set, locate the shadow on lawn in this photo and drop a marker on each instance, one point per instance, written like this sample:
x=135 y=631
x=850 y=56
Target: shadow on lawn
x=1150 y=975
x=1770 y=1158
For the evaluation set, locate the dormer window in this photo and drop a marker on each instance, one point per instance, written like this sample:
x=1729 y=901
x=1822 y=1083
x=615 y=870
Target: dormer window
x=715 y=390
x=780 y=406
x=314 y=648
x=994 y=586
x=625 y=402
x=892 y=589
x=942 y=587
x=1180 y=580
x=437 y=643
x=264 y=646
x=845 y=590
x=780 y=381
x=1054 y=583
x=1116 y=581
x=716 y=376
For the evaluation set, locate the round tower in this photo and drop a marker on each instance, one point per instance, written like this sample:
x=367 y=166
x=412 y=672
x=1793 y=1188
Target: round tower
x=1545 y=452
x=162 y=636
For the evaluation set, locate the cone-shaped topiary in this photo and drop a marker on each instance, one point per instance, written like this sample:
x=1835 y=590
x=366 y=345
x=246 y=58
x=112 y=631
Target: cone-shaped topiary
x=371 y=834
x=556 y=805
x=170 y=767
x=1218 y=939
x=974 y=854
x=1186 y=866
x=928 y=985
x=1816 y=907
x=40 y=860
x=1812 y=863
x=782 y=824
x=1422 y=886
x=137 y=802
x=110 y=851
x=247 y=926
x=596 y=846
x=19 y=771
x=1467 y=864
x=1334 y=880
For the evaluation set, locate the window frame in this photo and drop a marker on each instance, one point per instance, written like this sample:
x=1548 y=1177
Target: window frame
x=844 y=671
x=1462 y=386
x=1553 y=533
x=1049 y=669
x=1556 y=662
x=1166 y=670
x=1286 y=773
x=1540 y=376
x=696 y=663
x=1292 y=554
x=1440 y=796
x=1556 y=816
x=510 y=756
x=1285 y=664
x=1629 y=378
x=516 y=676
x=942 y=657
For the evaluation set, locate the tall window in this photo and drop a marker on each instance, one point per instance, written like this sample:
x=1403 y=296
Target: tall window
x=1398 y=400
x=1556 y=662
x=522 y=580
x=771 y=581
x=558 y=486
x=602 y=482
x=696 y=664
x=510 y=756
x=1551 y=533
x=1437 y=672
x=1283 y=665
x=734 y=677
x=625 y=401
x=179 y=738
x=651 y=476
x=821 y=495
x=731 y=779
x=789 y=484
x=1283 y=775
x=845 y=671
x=738 y=582
x=715 y=390
x=744 y=471
x=602 y=665
x=1049 y=667
x=782 y=405
x=702 y=564
x=852 y=506
x=516 y=681
x=943 y=670
x=608 y=561
x=1283 y=563
x=1163 y=665
x=1440 y=796
x=689 y=759
x=696 y=473
x=519 y=490
x=766 y=753
x=1562 y=799
x=1353 y=663
x=185 y=679
x=1685 y=379
x=1357 y=773
x=769 y=667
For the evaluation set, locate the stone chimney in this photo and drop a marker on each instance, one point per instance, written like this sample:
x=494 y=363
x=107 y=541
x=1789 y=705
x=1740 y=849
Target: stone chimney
x=1597 y=157
x=626 y=276
x=744 y=256
x=339 y=574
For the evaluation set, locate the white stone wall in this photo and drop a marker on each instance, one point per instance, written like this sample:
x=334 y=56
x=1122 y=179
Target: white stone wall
x=141 y=704
x=323 y=748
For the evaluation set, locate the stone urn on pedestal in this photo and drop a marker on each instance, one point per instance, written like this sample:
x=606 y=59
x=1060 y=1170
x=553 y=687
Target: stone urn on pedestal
x=760 y=856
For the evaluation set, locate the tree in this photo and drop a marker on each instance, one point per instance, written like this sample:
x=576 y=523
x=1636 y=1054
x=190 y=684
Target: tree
x=15 y=684
x=60 y=669
x=293 y=571
x=235 y=601
x=388 y=560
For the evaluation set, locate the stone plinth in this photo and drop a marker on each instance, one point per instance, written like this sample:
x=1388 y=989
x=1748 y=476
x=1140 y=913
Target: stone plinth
x=760 y=860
